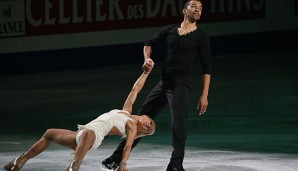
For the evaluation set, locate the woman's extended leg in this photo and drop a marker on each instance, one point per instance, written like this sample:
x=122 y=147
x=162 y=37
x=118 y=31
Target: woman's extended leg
x=60 y=136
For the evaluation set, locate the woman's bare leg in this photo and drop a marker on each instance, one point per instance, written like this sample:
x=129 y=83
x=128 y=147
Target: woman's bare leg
x=60 y=136
x=87 y=140
x=63 y=137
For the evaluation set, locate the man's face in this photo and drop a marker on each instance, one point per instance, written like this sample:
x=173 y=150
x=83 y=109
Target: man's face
x=193 y=11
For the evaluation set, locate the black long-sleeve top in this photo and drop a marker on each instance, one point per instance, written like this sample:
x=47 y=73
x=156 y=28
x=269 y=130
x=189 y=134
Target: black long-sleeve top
x=183 y=50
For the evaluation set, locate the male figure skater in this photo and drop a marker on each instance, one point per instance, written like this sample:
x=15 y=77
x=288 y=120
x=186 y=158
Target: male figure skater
x=90 y=136
x=185 y=41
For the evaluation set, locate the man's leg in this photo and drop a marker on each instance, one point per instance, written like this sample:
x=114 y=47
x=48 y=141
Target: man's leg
x=154 y=103
x=178 y=98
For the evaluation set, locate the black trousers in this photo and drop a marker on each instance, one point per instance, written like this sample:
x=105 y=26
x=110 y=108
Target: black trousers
x=176 y=93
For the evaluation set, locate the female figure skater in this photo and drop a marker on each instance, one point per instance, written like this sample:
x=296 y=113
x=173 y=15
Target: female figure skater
x=89 y=136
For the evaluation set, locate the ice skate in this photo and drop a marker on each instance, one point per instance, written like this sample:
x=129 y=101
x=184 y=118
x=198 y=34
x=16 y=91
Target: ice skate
x=16 y=164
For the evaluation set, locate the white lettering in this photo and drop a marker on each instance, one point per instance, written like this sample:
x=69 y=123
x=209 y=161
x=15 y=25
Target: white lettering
x=32 y=21
x=114 y=4
x=7 y=12
x=48 y=7
x=152 y=11
x=99 y=17
x=240 y=4
x=141 y=11
x=76 y=17
x=231 y=6
x=130 y=12
x=259 y=5
x=219 y=6
x=172 y=5
x=62 y=18
x=12 y=27
x=135 y=11
x=213 y=6
x=89 y=11
x=68 y=12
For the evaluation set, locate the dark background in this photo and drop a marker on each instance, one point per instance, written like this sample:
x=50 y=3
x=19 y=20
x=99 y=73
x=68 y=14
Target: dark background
x=94 y=57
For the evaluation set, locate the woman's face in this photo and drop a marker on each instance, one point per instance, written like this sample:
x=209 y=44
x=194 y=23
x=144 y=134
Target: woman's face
x=146 y=125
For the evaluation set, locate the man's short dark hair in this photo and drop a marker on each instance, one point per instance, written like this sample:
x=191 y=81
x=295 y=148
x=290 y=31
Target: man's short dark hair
x=188 y=2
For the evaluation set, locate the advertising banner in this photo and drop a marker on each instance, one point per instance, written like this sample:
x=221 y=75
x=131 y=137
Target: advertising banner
x=44 y=17
x=34 y=25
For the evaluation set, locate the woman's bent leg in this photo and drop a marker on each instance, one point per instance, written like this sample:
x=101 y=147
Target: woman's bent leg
x=86 y=141
x=60 y=136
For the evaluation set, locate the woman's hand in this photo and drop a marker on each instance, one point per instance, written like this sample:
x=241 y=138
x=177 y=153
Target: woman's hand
x=122 y=167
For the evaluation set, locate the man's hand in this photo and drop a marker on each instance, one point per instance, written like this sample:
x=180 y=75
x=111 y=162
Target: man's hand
x=202 y=105
x=148 y=65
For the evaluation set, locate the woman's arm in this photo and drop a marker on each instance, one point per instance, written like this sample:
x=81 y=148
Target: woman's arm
x=148 y=62
x=137 y=87
x=131 y=132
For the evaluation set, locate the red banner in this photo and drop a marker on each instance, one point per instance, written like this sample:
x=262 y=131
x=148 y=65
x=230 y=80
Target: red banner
x=53 y=16
x=229 y=10
x=43 y=17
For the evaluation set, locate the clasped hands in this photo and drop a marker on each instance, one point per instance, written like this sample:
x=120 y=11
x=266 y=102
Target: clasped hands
x=148 y=65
